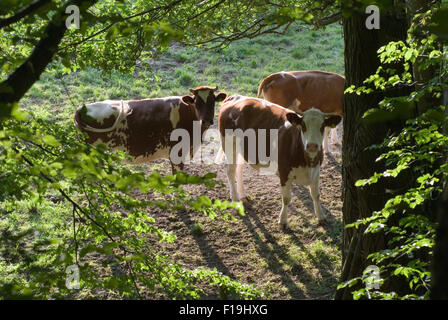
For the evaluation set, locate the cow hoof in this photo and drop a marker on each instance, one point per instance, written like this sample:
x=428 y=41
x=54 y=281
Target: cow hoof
x=234 y=199
x=283 y=226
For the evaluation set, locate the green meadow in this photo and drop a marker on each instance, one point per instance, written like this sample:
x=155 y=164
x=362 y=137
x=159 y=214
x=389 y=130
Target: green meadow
x=237 y=69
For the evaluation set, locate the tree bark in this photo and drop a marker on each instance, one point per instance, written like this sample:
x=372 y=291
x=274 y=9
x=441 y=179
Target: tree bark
x=361 y=61
x=439 y=289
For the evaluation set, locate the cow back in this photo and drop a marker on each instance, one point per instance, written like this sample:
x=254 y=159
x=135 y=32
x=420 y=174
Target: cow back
x=303 y=90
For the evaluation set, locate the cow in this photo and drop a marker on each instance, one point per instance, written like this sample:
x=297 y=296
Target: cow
x=302 y=90
x=299 y=145
x=142 y=128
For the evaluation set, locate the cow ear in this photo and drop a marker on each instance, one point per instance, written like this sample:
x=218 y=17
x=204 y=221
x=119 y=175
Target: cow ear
x=220 y=96
x=188 y=99
x=332 y=121
x=193 y=91
x=294 y=118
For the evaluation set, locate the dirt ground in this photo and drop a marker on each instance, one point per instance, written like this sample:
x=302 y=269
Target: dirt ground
x=301 y=263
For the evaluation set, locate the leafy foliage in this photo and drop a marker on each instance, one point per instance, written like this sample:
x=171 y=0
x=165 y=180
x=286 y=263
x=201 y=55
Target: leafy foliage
x=50 y=174
x=419 y=150
x=115 y=35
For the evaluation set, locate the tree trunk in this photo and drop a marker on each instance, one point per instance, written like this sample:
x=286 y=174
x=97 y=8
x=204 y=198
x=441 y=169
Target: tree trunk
x=361 y=60
x=439 y=281
x=440 y=260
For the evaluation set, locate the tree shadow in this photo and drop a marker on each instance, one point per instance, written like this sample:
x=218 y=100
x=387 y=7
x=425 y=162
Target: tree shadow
x=273 y=255
x=319 y=258
x=207 y=251
x=330 y=161
x=331 y=224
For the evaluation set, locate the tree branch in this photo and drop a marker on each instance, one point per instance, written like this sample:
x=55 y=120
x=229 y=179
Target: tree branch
x=23 y=13
x=332 y=18
x=166 y=7
x=254 y=30
x=206 y=10
x=19 y=82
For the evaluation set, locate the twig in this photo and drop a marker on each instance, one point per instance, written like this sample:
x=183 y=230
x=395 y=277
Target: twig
x=66 y=196
x=77 y=208
x=166 y=7
x=206 y=10
x=74 y=235
x=332 y=18
x=39 y=146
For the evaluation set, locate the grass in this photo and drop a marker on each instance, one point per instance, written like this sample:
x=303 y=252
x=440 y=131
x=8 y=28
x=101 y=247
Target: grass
x=235 y=69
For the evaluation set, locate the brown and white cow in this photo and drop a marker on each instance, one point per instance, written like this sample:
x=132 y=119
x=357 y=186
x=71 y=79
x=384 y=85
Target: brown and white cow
x=299 y=145
x=302 y=90
x=142 y=128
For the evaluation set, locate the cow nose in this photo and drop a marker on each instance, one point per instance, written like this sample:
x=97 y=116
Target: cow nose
x=311 y=147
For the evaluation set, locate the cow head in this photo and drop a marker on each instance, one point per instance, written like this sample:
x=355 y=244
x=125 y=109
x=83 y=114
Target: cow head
x=313 y=123
x=203 y=100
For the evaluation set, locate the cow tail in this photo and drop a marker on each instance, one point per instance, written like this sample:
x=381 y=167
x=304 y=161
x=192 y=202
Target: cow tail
x=260 y=88
x=266 y=82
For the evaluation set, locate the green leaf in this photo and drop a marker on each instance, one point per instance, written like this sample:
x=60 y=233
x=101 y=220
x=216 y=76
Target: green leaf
x=51 y=141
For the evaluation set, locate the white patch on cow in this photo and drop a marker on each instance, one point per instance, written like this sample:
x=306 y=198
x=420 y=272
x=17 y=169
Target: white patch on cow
x=286 y=199
x=174 y=115
x=103 y=110
x=203 y=94
x=287 y=124
x=313 y=119
x=282 y=73
x=304 y=175
x=234 y=120
x=235 y=97
x=265 y=102
x=295 y=105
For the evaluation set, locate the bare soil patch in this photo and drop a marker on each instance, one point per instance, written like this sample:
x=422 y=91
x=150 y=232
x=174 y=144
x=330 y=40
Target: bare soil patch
x=302 y=263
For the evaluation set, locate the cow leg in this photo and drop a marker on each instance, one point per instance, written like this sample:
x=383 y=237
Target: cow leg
x=231 y=176
x=334 y=135
x=315 y=195
x=286 y=199
x=239 y=181
x=326 y=144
